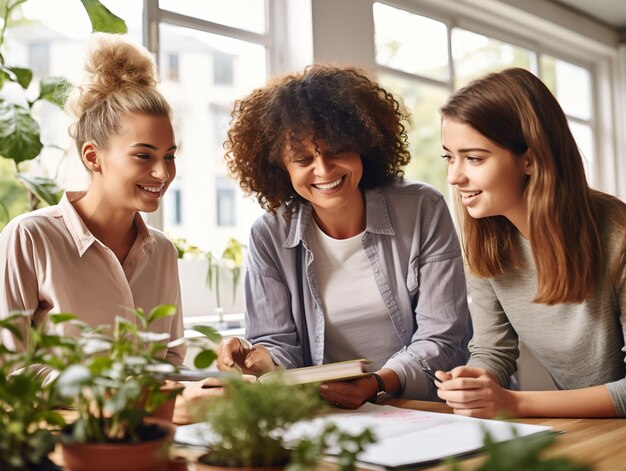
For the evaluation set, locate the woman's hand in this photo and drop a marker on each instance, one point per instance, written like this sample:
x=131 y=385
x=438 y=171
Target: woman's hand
x=475 y=392
x=349 y=394
x=237 y=353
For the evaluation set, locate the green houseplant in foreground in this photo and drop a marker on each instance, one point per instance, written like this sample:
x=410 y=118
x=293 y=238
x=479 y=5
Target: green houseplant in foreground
x=252 y=420
x=27 y=418
x=114 y=377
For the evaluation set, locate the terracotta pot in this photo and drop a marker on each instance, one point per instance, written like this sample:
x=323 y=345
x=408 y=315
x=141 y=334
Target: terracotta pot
x=145 y=456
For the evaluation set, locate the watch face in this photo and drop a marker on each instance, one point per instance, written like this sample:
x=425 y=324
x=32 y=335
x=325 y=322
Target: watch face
x=380 y=397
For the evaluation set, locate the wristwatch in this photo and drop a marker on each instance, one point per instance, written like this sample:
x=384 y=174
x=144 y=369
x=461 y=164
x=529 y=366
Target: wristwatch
x=381 y=394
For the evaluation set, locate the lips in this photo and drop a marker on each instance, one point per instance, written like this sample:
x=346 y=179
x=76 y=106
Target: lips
x=328 y=186
x=152 y=190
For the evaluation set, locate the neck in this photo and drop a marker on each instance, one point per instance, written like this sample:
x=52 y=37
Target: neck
x=111 y=226
x=342 y=223
x=519 y=219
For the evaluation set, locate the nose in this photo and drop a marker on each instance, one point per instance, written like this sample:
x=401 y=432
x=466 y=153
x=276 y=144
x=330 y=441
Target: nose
x=160 y=171
x=323 y=165
x=456 y=175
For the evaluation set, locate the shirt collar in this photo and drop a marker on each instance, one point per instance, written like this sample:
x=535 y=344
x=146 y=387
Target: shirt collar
x=83 y=238
x=376 y=214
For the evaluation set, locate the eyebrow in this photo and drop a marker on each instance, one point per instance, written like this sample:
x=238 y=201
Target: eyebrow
x=150 y=146
x=470 y=149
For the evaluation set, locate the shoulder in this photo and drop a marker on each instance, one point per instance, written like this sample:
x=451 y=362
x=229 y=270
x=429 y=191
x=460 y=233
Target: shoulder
x=271 y=226
x=162 y=242
x=34 y=222
x=401 y=191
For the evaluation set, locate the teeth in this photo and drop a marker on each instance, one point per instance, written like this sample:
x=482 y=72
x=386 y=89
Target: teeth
x=151 y=189
x=469 y=195
x=328 y=186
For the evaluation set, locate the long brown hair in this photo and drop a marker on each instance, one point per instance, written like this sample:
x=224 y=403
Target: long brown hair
x=514 y=109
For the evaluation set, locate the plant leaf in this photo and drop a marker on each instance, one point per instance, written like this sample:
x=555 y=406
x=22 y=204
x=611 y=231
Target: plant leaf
x=61 y=317
x=45 y=189
x=208 y=332
x=102 y=19
x=19 y=133
x=204 y=359
x=163 y=310
x=22 y=76
x=54 y=90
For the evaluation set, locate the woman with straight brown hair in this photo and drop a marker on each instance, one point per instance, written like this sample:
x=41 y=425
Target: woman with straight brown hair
x=545 y=255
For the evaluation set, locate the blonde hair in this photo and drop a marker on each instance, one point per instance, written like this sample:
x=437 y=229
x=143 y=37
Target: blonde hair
x=120 y=79
x=514 y=109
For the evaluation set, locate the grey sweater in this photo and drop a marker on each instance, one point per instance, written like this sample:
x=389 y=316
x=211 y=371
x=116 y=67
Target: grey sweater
x=581 y=345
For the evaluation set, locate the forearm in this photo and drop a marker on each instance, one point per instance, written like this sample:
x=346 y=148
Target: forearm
x=588 y=402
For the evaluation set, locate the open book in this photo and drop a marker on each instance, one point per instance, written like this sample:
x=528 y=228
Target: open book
x=322 y=373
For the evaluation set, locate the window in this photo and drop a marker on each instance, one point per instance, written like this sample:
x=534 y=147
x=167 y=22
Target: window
x=226 y=209
x=223 y=69
x=216 y=66
x=172 y=67
x=415 y=62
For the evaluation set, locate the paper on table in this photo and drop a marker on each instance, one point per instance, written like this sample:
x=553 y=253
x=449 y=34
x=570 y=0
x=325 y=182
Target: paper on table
x=409 y=437
x=405 y=436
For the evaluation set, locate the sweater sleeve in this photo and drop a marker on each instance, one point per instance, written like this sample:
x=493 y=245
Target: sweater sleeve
x=617 y=389
x=495 y=345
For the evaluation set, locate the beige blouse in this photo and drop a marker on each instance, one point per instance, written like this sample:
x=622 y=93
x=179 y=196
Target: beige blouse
x=51 y=263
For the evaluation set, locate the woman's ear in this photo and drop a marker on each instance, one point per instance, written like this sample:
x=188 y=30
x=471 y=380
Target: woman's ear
x=90 y=157
x=529 y=163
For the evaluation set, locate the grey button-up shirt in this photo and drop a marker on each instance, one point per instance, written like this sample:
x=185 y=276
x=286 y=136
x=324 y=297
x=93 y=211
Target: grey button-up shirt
x=412 y=246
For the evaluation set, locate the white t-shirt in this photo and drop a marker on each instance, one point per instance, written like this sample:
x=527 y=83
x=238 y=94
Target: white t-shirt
x=357 y=324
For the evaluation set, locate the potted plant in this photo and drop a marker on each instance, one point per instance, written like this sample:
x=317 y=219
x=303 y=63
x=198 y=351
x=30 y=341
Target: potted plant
x=202 y=278
x=114 y=377
x=27 y=416
x=250 y=427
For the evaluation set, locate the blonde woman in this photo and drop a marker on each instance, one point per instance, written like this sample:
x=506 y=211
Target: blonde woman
x=544 y=253
x=92 y=254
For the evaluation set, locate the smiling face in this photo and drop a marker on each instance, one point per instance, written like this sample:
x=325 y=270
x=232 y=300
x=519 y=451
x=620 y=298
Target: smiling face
x=490 y=179
x=137 y=166
x=328 y=178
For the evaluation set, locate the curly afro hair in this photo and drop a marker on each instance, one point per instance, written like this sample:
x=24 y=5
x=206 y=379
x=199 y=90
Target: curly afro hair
x=339 y=105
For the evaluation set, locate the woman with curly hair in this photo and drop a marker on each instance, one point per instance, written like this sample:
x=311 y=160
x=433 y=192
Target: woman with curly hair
x=349 y=261
x=545 y=255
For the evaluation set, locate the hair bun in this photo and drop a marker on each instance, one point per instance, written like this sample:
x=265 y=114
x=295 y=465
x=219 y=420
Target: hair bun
x=114 y=63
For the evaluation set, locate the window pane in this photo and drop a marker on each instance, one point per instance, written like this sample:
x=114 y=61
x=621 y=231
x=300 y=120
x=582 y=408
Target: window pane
x=243 y=14
x=584 y=138
x=475 y=55
x=571 y=84
x=410 y=42
x=202 y=99
x=423 y=101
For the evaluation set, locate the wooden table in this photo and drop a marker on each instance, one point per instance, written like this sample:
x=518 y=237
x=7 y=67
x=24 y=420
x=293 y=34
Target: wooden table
x=599 y=443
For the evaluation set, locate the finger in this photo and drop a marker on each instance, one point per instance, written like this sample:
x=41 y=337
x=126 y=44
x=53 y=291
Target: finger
x=463 y=396
x=466 y=405
x=258 y=360
x=228 y=352
x=465 y=371
x=464 y=383
x=442 y=375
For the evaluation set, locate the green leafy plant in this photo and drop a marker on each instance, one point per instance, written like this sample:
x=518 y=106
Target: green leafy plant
x=522 y=454
x=113 y=375
x=252 y=421
x=232 y=259
x=20 y=136
x=27 y=416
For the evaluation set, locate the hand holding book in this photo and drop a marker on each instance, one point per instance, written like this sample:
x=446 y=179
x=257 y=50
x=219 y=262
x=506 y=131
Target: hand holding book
x=236 y=353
